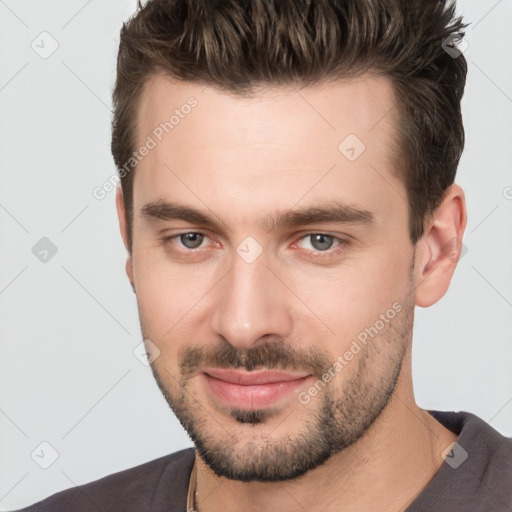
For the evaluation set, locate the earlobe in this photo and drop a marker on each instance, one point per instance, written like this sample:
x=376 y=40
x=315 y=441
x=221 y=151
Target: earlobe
x=121 y=215
x=439 y=250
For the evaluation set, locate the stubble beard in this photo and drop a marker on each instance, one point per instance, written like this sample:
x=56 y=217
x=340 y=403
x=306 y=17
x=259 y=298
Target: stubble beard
x=344 y=410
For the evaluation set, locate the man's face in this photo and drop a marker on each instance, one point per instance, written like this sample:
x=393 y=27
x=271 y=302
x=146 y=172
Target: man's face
x=272 y=283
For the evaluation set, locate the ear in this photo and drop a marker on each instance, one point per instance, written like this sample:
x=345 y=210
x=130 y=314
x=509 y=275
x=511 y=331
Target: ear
x=438 y=251
x=121 y=215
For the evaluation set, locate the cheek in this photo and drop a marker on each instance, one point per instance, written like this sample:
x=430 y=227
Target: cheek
x=167 y=293
x=351 y=296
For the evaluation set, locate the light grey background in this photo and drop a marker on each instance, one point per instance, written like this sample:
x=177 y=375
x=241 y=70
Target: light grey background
x=68 y=375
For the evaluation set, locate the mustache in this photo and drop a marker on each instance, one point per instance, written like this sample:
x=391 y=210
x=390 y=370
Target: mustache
x=272 y=355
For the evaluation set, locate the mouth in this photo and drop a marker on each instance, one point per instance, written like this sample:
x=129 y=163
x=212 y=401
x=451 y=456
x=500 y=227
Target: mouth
x=251 y=390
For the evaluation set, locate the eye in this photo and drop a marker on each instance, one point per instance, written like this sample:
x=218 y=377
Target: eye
x=322 y=243
x=188 y=240
x=318 y=244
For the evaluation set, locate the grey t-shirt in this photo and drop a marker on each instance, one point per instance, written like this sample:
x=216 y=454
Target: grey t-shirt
x=476 y=476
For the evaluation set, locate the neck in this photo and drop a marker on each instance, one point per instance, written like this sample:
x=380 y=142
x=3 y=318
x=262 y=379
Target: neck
x=385 y=470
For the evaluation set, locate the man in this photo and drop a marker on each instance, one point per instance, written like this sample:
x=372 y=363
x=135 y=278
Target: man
x=287 y=198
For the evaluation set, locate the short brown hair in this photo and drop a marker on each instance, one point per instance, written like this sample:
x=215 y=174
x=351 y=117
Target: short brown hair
x=240 y=45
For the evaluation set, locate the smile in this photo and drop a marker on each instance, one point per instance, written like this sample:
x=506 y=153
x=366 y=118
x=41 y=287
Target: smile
x=251 y=390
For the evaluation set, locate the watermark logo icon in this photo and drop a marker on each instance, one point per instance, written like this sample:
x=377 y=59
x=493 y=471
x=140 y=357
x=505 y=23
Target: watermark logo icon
x=454 y=455
x=249 y=249
x=44 y=45
x=44 y=250
x=351 y=147
x=454 y=45
x=146 y=352
x=44 y=455
x=451 y=249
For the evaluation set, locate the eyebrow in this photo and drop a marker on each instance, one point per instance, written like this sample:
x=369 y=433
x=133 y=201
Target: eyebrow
x=330 y=212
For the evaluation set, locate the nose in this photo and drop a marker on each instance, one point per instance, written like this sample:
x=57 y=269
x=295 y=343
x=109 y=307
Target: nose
x=251 y=305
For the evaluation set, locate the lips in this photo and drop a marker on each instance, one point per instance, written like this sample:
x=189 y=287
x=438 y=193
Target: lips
x=251 y=390
x=252 y=378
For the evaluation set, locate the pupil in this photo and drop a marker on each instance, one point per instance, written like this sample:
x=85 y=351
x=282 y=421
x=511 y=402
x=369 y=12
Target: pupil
x=191 y=240
x=321 y=241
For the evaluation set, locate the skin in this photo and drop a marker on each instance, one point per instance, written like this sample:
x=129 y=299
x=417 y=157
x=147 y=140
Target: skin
x=241 y=160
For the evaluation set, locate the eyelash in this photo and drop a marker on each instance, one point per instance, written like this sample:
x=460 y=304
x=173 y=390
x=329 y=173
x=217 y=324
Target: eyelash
x=340 y=247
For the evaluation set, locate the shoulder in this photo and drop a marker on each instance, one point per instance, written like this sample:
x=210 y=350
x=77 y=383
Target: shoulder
x=489 y=463
x=485 y=442
x=477 y=469
x=135 y=488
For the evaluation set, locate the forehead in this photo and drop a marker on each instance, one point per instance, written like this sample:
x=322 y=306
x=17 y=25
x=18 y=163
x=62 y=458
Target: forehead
x=278 y=144
x=358 y=104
